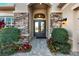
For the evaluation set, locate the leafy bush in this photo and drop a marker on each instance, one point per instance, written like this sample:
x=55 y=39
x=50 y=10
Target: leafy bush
x=65 y=48
x=8 y=50
x=8 y=36
x=60 y=35
x=59 y=41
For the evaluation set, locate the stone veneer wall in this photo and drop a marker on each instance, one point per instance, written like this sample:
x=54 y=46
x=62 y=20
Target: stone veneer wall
x=53 y=18
x=21 y=22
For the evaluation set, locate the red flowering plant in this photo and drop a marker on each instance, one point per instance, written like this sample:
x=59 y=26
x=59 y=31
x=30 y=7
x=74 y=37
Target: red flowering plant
x=25 y=47
x=2 y=24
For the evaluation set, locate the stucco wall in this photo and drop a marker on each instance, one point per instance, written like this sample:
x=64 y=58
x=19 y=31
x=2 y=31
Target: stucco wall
x=69 y=14
x=70 y=25
x=76 y=19
x=54 y=7
x=21 y=7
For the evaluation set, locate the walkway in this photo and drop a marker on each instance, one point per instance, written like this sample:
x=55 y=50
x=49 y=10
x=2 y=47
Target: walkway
x=39 y=48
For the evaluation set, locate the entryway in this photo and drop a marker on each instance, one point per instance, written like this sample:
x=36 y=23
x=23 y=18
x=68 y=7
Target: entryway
x=40 y=28
x=38 y=20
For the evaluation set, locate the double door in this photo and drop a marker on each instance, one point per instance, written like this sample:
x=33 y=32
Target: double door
x=40 y=28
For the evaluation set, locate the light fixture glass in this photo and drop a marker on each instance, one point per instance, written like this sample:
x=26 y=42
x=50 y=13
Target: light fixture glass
x=40 y=3
x=39 y=15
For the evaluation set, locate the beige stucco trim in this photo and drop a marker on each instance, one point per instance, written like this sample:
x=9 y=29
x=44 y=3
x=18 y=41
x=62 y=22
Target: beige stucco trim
x=56 y=11
x=65 y=6
x=75 y=6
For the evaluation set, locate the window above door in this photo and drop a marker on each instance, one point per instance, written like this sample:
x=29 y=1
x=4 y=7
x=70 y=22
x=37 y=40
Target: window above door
x=39 y=15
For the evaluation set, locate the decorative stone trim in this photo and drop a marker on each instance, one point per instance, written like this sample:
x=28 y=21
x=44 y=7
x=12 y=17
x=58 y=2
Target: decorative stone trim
x=55 y=17
x=21 y=22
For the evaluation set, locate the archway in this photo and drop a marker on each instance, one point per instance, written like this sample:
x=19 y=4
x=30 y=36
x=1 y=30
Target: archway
x=38 y=13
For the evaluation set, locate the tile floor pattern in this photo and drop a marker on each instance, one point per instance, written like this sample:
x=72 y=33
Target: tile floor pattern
x=39 y=48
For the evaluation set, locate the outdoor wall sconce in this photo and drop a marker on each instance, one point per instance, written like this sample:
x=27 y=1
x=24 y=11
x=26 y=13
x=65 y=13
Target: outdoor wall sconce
x=62 y=21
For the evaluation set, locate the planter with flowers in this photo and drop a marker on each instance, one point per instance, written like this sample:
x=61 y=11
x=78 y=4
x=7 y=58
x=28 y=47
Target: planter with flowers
x=25 y=47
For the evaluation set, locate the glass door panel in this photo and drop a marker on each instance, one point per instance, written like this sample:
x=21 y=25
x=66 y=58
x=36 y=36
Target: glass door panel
x=42 y=26
x=36 y=26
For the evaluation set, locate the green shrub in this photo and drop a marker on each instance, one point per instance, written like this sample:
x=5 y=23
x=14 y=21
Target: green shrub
x=8 y=36
x=60 y=35
x=59 y=39
x=65 y=48
x=8 y=50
